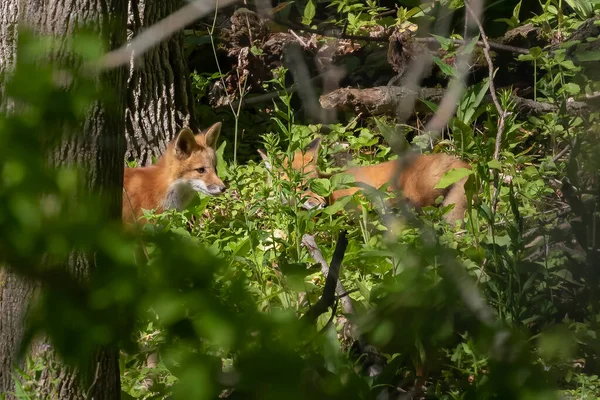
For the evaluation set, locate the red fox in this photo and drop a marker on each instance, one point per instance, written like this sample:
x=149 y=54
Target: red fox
x=417 y=180
x=187 y=166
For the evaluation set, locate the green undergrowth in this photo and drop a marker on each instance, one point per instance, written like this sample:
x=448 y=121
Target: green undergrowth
x=404 y=284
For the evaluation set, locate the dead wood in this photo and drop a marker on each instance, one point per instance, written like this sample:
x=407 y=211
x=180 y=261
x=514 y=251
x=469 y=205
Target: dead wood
x=332 y=284
x=386 y=100
x=373 y=362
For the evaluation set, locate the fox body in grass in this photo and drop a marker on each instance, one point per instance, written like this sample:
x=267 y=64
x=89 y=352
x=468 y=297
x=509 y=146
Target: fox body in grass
x=417 y=180
x=187 y=166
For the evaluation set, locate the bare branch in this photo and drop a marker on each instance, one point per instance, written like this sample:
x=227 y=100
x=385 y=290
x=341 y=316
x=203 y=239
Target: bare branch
x=159 y=32
x=90 y=390
x=385 y=38
x=373 y=361
x=332 y=284
x=386 y=99
x=263 y=98
x=447 y=106
x=488 y=58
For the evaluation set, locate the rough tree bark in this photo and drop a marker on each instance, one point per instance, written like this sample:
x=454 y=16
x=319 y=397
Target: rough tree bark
x=387 y=100
x=8 y=33
x=101 y=147
x=159 y=98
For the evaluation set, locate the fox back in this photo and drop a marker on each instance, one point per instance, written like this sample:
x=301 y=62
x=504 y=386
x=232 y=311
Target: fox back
x=417 y=179
x=187 y=166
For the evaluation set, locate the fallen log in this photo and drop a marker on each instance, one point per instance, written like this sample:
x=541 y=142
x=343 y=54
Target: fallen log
x=386 y=100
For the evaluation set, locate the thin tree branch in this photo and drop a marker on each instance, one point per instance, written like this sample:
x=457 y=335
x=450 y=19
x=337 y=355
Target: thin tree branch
x=385 y=38
x=385 y=100
x=332 y=272
x=448 y=105
x=263 y=98
x=488 y=58
x=374 y=361
x=159 y=32
x=90 y=390
x=480 y=43
x=562 y=153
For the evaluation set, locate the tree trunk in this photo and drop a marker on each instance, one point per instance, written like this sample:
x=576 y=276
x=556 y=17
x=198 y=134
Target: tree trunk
x=100 y=147
x=8 y=34
x=159 y=98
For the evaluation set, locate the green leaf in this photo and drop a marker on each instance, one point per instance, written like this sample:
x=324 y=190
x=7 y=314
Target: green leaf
x=321 y=186
x=222 y=170
x=452 y=176
x=341 y=180
x=568 y=64
x=281 y=126
x=536 y=52
x=444 y=42
x=412 y=12
x=364 y=291
x=432 y=106
x=583 y=8
x=337 y=206
x=469 y=105
x=463 y=134
x=507 y=21
x=468 y=49
x=445 y=68
x=572 y=88
x=309 y=13
x=500 y=240
x=394 y=135
x=516 y=12
x=495 y=164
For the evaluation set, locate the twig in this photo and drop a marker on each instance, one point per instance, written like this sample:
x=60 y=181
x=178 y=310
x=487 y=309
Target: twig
x=448 y=104
x=262 y=98
x=328 y=297
x=313 y=249
x=486 y=53
x=480 y=43
x=159 y=32
x=562 y=153
x=93 y=385
x=298 y=38
x=386 y=100
x=385 y=38
x=374 y=361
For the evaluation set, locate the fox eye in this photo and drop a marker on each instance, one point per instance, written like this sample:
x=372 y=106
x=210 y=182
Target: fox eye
x=201 y=170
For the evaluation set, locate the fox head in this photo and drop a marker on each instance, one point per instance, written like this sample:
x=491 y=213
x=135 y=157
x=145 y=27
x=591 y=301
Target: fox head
x=304 y=162
x=190 y=163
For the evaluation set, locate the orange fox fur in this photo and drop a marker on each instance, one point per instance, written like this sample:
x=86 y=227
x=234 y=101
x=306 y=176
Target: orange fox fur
x=187 y=166
x=418 y=177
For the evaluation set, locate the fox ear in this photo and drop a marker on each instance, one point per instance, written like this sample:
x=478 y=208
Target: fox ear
x=265 y=158
x=212 y=135
x=185 y=143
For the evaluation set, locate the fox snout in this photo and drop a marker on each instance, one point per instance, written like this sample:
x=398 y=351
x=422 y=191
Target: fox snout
x=216 y=188
x=312 y=203
x=212 y=188
x=307 y=201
